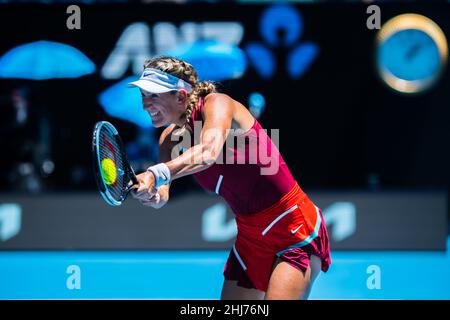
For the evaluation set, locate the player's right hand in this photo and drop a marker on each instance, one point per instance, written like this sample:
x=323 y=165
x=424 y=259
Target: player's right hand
x=145 y=190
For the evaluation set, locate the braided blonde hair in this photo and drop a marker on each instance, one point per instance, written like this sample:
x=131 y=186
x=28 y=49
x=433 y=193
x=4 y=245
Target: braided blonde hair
x=185 y=71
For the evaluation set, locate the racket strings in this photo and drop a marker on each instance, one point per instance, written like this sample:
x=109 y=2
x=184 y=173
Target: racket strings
x=110 y=148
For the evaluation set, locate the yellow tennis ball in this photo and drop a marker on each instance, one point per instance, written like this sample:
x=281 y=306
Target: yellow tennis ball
x=109 y=171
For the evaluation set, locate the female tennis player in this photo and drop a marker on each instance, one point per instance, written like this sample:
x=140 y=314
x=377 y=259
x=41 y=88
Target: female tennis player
x=282 y=241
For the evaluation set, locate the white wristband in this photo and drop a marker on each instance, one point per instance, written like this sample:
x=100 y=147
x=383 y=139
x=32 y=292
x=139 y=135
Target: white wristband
x=162 y=174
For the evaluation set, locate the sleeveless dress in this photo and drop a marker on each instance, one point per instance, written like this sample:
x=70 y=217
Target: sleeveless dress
x=274 y=217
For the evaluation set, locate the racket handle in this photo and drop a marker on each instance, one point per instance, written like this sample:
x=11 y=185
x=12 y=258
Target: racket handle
x=134 y=179
x=133 y=176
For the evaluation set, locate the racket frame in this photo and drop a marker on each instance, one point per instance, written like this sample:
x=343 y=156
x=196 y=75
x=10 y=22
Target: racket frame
x=97 y=165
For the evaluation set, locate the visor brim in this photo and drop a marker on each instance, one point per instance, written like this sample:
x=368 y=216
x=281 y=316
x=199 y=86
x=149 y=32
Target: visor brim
x=149 y=86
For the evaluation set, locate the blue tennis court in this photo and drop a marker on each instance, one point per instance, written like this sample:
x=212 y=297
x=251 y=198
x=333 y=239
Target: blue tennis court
x=198 y=275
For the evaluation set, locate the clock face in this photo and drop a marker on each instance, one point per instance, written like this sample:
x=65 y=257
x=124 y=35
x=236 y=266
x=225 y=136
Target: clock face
x=411 y=55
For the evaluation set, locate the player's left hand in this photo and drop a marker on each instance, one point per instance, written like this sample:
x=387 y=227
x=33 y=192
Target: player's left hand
x=153 y=202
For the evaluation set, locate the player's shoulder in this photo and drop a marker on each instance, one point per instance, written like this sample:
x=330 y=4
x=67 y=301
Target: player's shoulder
x=216 y=97
x=215 y=102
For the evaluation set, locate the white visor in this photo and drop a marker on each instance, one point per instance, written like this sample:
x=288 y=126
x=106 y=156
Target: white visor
x=157 y=81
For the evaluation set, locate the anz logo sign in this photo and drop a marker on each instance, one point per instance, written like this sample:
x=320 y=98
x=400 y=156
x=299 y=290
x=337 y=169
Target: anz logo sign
x=276 y=21
x=137 y=42
x=280 y=26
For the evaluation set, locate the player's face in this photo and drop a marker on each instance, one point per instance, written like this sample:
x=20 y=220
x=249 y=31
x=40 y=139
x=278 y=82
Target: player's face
x=164 y=108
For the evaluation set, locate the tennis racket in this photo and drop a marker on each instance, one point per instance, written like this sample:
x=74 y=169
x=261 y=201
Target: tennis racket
x=114 y=175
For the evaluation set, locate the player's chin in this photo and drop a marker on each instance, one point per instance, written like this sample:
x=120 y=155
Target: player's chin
x=157 y=123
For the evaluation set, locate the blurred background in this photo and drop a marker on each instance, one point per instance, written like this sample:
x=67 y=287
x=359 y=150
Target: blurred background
x=360 y=93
